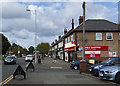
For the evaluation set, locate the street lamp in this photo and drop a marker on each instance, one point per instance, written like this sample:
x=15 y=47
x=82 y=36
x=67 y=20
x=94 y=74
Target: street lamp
x=83 y=53
x=35 y=33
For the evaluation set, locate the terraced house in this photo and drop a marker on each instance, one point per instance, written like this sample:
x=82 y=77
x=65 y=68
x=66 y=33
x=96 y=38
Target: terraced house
x=102 y=40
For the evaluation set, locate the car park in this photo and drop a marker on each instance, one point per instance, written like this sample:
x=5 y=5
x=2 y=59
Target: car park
x=110 y=73
x=10 y=60
x=29 y=58
x=94 y=69
x=76 y=63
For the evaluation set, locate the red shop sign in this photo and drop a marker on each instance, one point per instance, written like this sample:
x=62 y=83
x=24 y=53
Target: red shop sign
x=93 y=48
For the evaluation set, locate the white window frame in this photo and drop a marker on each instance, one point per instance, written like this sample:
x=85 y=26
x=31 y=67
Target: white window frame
x=107 y=35
x=71 y=37
x=100 y=36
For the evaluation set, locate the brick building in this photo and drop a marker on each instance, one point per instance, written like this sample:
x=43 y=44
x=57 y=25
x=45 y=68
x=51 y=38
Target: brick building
x=102 y=40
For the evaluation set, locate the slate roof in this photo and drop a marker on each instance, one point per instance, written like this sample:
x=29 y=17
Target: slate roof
x=98 y=25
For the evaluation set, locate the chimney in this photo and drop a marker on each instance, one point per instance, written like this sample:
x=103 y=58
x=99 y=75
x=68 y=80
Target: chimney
x=56 y=40
x=72 y=23
x=80 y=19
x=59 y=37
x=65 y=31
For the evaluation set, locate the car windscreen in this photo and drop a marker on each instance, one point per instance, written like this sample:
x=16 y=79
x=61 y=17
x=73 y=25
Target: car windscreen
x=10 y=57
x=29 y=56
x=107 y=61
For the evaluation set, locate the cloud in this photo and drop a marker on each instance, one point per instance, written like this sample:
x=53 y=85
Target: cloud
x=13 y=10
x=51 y=20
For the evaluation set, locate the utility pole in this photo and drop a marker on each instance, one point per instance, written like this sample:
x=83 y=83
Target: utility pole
x=35 y=33
x=83 y=53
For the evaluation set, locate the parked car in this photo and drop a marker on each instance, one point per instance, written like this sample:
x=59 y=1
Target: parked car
x=94 y=69
x=76 y=63
x=111 y=73
x=29 y=58
x=10 y=60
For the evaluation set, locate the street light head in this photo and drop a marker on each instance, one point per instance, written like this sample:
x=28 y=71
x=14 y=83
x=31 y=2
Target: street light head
x=27 y=10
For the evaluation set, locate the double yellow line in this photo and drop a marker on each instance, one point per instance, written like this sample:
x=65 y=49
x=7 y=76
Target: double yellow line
x=6 y=80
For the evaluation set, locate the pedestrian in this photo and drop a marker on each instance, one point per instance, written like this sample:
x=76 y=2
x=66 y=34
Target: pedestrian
x=54 y=58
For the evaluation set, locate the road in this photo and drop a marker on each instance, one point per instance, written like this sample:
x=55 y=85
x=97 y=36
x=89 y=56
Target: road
x=8 y=70
x=56 y=73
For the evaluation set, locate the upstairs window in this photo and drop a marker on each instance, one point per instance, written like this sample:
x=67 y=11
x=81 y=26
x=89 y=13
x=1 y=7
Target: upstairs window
x=119 y=36
x=98 y=36
x=71 y=37
x=66 y=40
x=109 y=36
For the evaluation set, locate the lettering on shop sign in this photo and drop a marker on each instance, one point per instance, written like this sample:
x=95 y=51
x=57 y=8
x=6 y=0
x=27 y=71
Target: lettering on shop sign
x=93 y=48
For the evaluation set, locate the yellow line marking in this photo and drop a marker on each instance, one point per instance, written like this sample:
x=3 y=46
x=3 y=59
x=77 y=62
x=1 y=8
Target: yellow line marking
x=6 y=79
x=56 y=67
x=26 y=65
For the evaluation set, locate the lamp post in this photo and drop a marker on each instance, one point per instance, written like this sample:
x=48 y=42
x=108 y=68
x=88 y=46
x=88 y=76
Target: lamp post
x=83 y=53
x=35 y=33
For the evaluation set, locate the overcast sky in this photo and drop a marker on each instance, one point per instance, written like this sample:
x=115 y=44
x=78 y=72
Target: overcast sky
x=18 y=25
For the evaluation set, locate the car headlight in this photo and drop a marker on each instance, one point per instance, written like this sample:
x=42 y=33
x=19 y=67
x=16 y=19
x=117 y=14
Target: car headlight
x=11 y=59
x=110 y=71
x=96 y=67
x=5 y=59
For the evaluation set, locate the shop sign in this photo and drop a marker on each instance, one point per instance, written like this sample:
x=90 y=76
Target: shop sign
x=92 y=61
x=93 y=48
x=70 y=49
x=92 y=53
x=114 y=54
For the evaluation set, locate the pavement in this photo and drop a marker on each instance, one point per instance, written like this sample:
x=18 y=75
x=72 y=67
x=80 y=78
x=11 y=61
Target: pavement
x=60 y=72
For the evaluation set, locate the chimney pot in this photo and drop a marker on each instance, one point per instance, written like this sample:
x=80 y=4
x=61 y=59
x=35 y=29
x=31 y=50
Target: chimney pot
x=56 y=40
x=59 y=37
x=72 y=23
x=80 y=19
x=65 y=31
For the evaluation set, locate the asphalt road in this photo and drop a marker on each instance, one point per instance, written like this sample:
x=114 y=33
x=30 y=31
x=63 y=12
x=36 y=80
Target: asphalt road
x=8 y=70
x=57 y=73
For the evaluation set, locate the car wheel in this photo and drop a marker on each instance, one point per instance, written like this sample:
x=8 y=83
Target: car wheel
x=75 y=67
x=117 y=79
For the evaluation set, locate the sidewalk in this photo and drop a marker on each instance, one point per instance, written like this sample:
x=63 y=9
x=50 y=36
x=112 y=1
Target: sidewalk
x=56 y=73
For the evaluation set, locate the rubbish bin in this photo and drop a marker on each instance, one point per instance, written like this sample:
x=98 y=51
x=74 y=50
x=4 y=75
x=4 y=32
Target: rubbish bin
x=39 y=60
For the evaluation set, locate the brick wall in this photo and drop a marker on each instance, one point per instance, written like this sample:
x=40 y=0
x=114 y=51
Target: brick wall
x=113 y=45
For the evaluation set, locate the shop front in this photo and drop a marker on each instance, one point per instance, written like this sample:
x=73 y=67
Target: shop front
x=60 y=53
x=94 y=53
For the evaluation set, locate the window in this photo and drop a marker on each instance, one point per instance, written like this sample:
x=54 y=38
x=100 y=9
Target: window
x=119 y=36
x=109 y=36
x=71 y=37
x=98 y=36
x=66 y=40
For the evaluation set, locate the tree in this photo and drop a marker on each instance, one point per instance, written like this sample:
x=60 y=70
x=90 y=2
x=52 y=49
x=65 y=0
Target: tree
x=43 y=48
x=31 y=49
x=5 y=44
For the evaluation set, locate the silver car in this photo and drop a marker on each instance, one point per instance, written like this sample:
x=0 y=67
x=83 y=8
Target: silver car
x=29 y=58
x=110 y=73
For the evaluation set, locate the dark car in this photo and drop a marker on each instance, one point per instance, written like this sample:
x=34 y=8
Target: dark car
x=10 y=60
x=76 y=63
x=94 y=69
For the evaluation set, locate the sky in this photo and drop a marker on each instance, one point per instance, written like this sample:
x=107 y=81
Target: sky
x=18 y=25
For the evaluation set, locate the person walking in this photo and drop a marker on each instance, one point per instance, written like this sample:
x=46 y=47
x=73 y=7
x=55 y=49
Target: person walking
x=54 y=58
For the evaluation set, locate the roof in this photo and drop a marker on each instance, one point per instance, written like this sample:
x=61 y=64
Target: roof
x=98 y=25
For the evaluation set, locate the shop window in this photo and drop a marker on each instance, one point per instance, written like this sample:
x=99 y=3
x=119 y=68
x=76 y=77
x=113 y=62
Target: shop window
x=71 y=37
x=98 y=36
x=109 y=36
